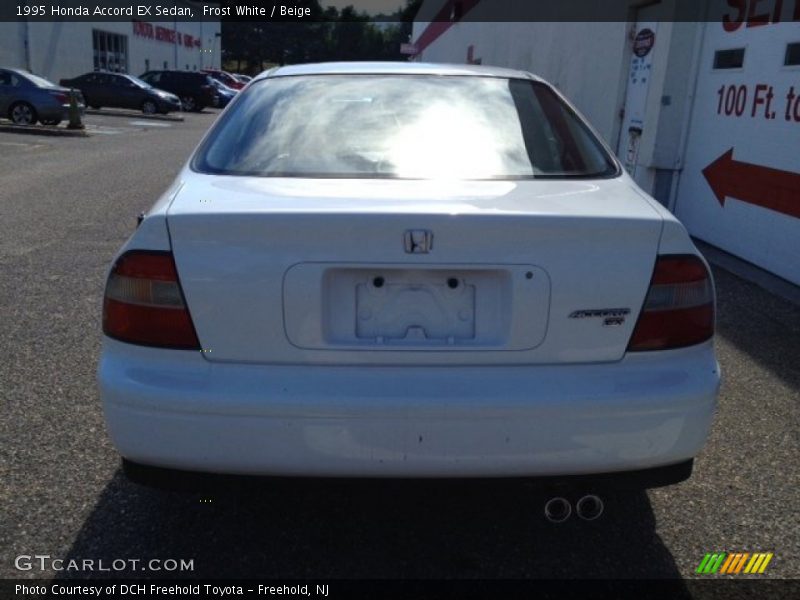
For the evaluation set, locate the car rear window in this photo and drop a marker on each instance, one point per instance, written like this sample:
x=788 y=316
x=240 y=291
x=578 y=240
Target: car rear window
x=39 y=81
x=402 y=126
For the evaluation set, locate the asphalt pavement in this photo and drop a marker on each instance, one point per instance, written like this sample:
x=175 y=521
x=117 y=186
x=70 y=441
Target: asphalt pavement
x=66 y=205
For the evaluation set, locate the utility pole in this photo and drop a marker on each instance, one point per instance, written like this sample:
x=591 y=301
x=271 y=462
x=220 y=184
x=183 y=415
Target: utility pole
x=26 y=42
x=175 y=31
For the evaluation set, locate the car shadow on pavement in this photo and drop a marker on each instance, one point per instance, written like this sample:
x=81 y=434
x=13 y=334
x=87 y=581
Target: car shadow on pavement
x=300 y=528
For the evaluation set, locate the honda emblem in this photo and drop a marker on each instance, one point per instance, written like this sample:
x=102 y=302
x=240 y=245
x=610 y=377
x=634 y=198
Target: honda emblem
x=418 y=241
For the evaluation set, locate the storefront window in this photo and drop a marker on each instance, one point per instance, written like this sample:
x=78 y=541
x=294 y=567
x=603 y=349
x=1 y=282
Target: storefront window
x=110 y=51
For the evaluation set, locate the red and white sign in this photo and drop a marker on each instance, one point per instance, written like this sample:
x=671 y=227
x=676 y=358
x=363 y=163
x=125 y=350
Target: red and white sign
x=164 y=34
x=739 y=187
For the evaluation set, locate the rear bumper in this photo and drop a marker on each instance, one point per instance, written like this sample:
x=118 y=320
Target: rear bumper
x=57 y=112
x=177 y=479
x=166 y=105
x=174 y=409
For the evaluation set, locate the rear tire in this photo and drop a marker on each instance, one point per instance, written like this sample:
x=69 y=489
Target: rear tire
x=189 y=103
x=22 y=113
x=149 y=107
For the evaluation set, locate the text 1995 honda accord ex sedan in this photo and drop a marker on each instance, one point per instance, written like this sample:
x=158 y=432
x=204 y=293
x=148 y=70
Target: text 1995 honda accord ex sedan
x=407 y=270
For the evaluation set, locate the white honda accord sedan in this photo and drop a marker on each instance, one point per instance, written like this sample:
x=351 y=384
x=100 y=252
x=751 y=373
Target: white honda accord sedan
x=408 y=270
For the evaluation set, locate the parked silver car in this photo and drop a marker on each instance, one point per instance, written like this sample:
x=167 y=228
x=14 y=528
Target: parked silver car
x=26 y=98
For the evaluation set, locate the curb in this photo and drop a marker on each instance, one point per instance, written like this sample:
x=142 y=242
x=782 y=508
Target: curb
x=773 y=284
x=133 y=114
x=44 y=130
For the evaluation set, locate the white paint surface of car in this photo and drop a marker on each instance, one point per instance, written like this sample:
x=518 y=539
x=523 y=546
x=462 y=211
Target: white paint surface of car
x=419 y=322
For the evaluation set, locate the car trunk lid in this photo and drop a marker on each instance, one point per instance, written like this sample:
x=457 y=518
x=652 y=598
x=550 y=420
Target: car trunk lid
x=284 y=270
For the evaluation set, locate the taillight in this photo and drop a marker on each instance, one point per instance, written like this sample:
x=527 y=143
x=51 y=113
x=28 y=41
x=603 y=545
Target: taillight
x=61 y=97
x=679 y=308
x=144 y=303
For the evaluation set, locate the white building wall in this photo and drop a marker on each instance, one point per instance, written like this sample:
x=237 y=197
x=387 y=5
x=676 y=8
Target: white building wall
x=667 y=106
x=58 y=50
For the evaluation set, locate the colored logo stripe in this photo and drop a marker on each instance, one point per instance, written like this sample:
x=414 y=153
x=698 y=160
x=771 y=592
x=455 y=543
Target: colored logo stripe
x=711 y=562
x=758 y=563
x=734 y=563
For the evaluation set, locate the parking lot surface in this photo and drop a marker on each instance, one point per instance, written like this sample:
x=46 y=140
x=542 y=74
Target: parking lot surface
x=66 y=205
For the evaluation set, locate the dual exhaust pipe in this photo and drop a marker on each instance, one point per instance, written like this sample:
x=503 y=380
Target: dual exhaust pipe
x=588 y=508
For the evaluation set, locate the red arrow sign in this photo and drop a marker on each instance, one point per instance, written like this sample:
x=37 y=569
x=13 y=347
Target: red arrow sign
x=763 y=186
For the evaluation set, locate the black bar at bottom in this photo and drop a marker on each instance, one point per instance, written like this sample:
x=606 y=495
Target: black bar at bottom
x=675 y=589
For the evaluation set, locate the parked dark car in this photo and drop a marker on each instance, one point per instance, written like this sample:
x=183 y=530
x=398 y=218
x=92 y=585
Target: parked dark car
x=226 y=94
x=26 y=98
x=122 y=91
x=196 y=90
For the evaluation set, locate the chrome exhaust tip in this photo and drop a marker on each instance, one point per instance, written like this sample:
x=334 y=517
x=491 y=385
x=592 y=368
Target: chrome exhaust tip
x=557 y=510
x=590 y=507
